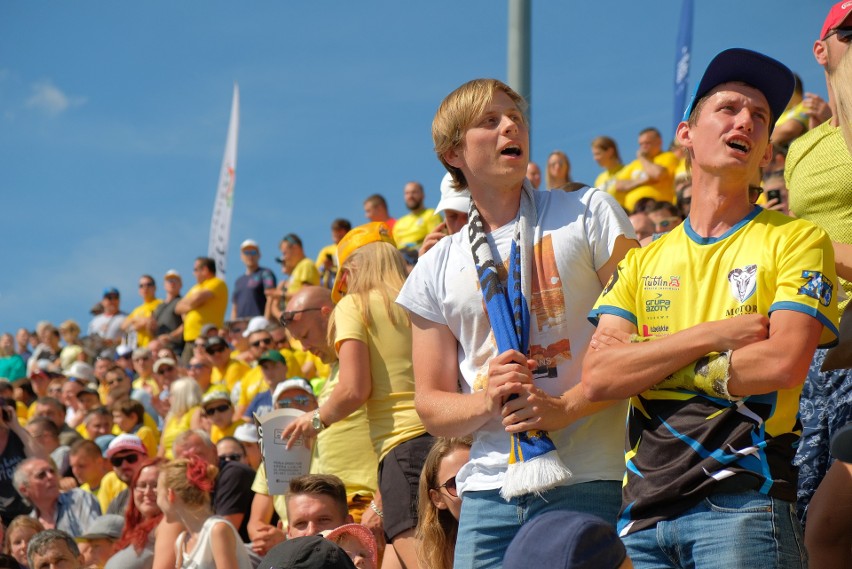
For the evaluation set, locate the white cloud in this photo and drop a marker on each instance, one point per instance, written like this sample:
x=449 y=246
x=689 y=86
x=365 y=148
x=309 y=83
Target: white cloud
x=49 y=99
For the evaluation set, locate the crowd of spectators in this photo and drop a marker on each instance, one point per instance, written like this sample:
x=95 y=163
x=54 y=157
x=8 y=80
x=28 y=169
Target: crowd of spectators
x=132 y=442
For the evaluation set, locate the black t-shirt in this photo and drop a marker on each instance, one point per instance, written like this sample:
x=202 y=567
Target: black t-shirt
x=232 y=493
x=11 y=503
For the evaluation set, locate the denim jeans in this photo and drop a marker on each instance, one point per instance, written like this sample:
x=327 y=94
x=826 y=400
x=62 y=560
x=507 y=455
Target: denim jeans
x=488 y=522
x=744 y=530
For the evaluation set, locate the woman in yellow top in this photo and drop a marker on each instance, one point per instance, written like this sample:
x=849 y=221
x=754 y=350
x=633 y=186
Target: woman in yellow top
x=184 y=413
x=605 y=153
x=372 y=336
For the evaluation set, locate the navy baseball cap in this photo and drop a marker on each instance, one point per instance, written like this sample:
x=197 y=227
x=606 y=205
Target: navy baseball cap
x=574 y=540
x=770 y=77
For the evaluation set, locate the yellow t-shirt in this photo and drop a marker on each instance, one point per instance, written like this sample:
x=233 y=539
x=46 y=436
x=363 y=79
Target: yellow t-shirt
x=305 y=272
x=147 y=384
x=343 y=449
x=661 y=190
x=411 y=229
x=390 y=408
x=146 y=309
x=235 y=371
x=606 y=180
x=111 y=487
x=251 y=385
x=173 y=427
x=217 y=434
x=211 y=312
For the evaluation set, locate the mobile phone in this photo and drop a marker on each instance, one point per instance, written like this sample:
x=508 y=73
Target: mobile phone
x=773 y=195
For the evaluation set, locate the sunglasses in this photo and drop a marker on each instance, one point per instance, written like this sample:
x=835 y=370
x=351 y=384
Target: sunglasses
x=231 y=457
x=210 y=411
x=843 y=34
x=216 y=350
x=450 y=487
x=117 y=461
x=111 y=296
x=165 y=369
x=263 y=342
x=288 y=317
x=42 y=474
x=298 y=400
x=250 y=252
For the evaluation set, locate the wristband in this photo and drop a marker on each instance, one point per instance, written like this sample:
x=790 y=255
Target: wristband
x=376 y=509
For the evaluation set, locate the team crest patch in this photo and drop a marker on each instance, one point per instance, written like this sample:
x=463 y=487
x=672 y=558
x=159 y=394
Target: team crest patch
x=818 y=287
x=743 y=281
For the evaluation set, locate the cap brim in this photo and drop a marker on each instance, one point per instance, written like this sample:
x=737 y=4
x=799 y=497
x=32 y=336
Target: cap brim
x=767 y=75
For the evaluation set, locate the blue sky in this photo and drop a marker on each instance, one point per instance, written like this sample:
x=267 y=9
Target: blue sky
x=113 y=116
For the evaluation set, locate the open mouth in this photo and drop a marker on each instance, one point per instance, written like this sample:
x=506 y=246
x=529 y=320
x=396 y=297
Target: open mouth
x=740 y=146
x=511 y=151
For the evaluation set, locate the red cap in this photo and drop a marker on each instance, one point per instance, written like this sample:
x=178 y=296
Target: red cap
x=836 y=16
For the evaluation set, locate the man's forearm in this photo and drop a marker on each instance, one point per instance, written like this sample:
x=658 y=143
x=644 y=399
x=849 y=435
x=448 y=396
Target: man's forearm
x=446 y=414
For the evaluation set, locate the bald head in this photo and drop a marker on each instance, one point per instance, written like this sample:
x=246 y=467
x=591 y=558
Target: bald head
x=310 y=296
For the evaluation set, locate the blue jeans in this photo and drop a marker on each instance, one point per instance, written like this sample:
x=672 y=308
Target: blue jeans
x=488 y=522
x=744 y=530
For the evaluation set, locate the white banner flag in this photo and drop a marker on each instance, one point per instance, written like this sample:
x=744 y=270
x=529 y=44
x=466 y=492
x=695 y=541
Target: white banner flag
x=220 y=226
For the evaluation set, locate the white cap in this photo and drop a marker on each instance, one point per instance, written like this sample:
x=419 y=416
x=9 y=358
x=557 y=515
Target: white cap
x=80 y=370
x=172 y=273
x=456 y=200
x=256 y=324
x=249 y=243
x=295 y=383
x=246 y=433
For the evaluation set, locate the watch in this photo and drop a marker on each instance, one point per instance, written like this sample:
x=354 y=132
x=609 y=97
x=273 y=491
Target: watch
x=316 y=422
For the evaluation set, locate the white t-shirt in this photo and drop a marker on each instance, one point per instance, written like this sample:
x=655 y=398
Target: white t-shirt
x=201 y=556
x=574 y=236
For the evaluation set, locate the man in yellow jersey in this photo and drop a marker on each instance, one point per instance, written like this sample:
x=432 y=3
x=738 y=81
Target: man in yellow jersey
x=697 y=329
x=411 y=229
x=205 y=302
x=651 y=175
x=141 y=319
x=299 y=269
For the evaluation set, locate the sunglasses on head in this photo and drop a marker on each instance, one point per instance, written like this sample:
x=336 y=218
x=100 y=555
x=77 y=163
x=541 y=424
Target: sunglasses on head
x=117 y=461
x=288 y=317
x=210 y=411
x=450 y=486
x=263 y=342
x=843 y=34
x=234 y=457
x=300 y=400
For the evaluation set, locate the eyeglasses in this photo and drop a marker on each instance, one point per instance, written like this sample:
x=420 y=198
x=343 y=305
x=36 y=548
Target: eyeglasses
x=210 y=411
x=450 y=487
x=146 y=487
x=263 y=342
x=145 y=285
x=235 y=457
x=843 y=34
x=117 y=461
x=297 y=400
x=42 y=474
x=288 y=317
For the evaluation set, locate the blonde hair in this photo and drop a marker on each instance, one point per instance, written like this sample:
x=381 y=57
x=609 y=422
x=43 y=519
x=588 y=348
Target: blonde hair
x=551 y=183
x=185 y=394
x=841 y=84
x=375 y=267
x=19 y=523
x=457 y=113
x=191 y=479
x=605 y=143
x=436 y=529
